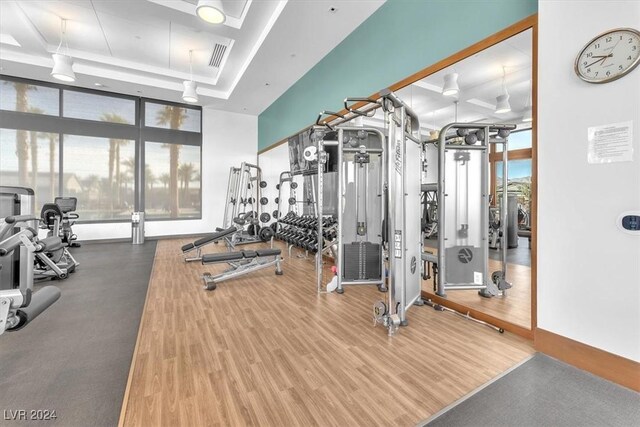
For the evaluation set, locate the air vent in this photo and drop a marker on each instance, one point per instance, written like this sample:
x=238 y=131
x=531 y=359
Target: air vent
x=217 y=55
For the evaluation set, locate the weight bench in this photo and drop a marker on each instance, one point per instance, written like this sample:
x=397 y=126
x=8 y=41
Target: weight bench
x=200 y=243
x=241 y=262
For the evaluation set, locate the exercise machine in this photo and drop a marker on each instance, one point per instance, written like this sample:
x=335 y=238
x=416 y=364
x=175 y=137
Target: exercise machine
x=244 y=203
x=464 y=208
x=55 y=261
x=241 y=263
x=198 y=244
x=68 y=206
x=19 y=304
x=398 y=194
x=360 y=183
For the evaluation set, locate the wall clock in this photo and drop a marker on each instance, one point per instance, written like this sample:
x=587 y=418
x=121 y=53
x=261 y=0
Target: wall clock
x=609 y=56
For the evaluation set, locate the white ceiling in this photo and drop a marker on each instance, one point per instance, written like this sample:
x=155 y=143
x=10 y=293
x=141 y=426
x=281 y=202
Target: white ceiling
x=480 y=82
x=141 y=47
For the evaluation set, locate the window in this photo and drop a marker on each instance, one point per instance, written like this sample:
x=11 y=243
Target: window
x=171 y=117
x=100 y=172
x=518 y=183
x=517 y=141
x=172 y=181
x=29 y=98
x=30 y=159
x=89 y=106
x=96 y=147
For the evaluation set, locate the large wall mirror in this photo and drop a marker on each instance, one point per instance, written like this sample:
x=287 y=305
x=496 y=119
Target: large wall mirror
x=494 y=84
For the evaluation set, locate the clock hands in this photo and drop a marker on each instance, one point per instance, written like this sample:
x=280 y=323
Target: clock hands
x=599 y=60
x=612 y=50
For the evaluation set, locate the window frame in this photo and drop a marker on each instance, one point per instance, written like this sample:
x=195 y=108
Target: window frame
x=137 y=132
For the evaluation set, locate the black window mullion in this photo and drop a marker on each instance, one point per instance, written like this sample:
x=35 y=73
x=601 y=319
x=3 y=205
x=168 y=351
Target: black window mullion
x=60 y=165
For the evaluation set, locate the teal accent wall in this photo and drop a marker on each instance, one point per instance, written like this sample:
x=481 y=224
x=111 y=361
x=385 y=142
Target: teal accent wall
x=401 y=38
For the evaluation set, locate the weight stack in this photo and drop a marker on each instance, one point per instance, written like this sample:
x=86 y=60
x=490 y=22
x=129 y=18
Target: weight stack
x=361 y=261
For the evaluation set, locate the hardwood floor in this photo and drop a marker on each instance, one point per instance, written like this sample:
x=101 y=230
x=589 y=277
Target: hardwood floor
x=514 y=308
x=267 y=350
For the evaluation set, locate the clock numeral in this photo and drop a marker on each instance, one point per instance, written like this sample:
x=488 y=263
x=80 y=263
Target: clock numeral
x=588 y=70
x=609 y=39
x=629 y=57
x=589 y=55
x=596 y=73
x=608 y=73
x=630 y=40
x=619 y=67
x=597 y=45
x=634 y=47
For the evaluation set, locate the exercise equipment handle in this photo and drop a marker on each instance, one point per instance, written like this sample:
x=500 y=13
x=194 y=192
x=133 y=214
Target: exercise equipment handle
x=40 y=301
x=13 y=242
x=327 y=113
x=354 y=101
x=19 y=218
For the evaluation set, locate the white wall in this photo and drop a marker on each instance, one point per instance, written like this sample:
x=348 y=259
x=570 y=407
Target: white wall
x=588 y=271
x=228 y=139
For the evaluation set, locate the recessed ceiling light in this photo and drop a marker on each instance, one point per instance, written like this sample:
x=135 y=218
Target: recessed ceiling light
x=333 y=9
x=138 y=37
x=266 y=84
x=96 y=84
x=293 y=55
x=139 y=91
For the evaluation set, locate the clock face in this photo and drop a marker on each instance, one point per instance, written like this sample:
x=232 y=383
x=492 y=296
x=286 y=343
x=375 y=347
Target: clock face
x=609 y=56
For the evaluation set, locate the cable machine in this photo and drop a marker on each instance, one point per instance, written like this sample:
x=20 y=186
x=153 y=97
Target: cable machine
x=379 y=187
x=463 y=208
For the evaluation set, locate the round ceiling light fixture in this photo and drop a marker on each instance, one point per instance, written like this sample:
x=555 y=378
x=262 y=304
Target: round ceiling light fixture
x=502 y=104
x=211 y=11
x=63 y=68
x=63 y=63
x=502 y=101
x=451 y=87
x=189 y=95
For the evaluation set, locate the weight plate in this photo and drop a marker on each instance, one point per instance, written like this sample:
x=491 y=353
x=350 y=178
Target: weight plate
x=277 y=200
x=264 y=201
x=263 y=184
x=292 y=200
x=265 y=217
x=294 y=185
x=275 y=214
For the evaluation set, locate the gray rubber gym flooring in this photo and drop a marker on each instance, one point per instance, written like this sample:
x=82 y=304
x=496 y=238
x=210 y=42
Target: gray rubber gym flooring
x=545 y=392
x=75 y=357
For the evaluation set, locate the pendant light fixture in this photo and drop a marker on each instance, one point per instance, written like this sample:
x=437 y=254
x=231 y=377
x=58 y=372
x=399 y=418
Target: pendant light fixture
x=211 y=11
x=528 y=110
x=190 y=95
x=62 y=63
x=502 y=101
x=451 y=85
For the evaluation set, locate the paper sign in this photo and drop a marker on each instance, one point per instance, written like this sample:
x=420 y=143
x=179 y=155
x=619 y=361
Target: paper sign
x=477 y=278
x=610 y=143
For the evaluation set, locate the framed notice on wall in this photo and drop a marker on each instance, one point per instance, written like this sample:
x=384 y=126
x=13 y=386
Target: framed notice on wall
x=610 y=143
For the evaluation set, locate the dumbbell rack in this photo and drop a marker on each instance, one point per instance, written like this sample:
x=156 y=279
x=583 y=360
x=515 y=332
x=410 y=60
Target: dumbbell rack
x=300 y=231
